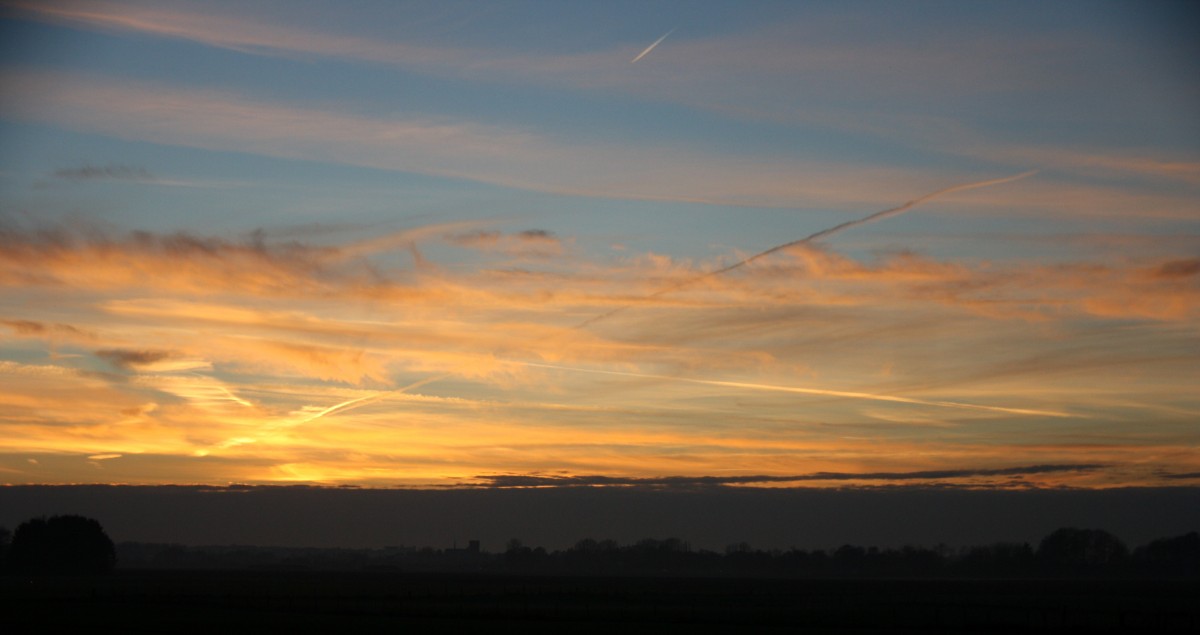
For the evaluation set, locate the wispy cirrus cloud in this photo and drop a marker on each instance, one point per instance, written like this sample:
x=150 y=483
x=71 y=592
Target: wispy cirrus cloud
x=824 y=233
x=799 y=276
x=702 y=72
x=774 y=369
x=269 y=433
x=815 y=47
x=507 y=156
x=239 y=33
x=349 y=352
x=516 y=157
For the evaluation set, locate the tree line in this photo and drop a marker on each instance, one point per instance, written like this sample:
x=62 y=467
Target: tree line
x=74 y=545
x=1064 y=552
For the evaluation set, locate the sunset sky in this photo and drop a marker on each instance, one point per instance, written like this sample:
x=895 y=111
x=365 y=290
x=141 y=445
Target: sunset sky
x=511 y=244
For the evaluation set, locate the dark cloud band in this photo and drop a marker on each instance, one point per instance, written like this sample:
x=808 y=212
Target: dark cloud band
x=111 y=172
x=537 y=480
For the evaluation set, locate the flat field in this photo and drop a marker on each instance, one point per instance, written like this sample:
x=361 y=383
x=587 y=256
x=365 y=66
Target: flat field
x=307 y=601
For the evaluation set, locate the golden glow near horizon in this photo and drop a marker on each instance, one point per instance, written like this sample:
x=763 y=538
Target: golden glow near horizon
x=221 y=283
x=806 y=363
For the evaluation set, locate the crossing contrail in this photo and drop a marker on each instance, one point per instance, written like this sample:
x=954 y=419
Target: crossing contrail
x=651 y=47
x=824 y=392
x=807 y=391
x=362 y=401
x=877 y=216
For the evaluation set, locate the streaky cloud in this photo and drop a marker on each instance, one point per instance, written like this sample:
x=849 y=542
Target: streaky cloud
x=824 y=233
x=1178 y=269
x=810 y=391
x=36 y=328
x=127 y=359
x=894 y=211
x=529 y=242
x=104 y=172
x=1183 y=476
x=538 y=480
x=362 y=401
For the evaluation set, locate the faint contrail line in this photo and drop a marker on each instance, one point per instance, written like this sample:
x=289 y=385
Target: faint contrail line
x=807 y=391
x=877 y=216
x=651 y=47
x=362 y=401
x=233 y=397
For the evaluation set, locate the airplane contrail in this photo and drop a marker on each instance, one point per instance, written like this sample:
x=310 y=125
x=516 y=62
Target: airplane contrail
x=877 y=216
x=651 y=47
x=824 y=392
x=233 y=397
x=362 y=401
x=807 y=391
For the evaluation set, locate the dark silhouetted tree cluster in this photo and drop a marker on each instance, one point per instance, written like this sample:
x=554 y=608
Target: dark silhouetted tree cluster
x=60 y=545
x=1178 y=556
x=1001 y=559
x=1081 y=550
x=1065 y=553
x=5 y=538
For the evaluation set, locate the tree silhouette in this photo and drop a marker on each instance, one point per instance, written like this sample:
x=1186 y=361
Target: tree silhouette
x=1081 y=549
x=5 y=538
x=1000 y=558
x=61 y=544
x=1179 y=555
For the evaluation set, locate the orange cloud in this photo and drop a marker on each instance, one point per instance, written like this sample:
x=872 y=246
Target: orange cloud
x=808 y=360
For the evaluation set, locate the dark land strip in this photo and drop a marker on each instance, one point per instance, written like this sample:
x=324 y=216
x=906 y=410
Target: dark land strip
x=324 y=601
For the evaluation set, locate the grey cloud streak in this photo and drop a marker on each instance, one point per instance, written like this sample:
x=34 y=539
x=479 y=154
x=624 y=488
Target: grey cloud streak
x=113 y=172
x=35 y=328
x=1182 y=476
x=1177 y=269
x=534 y=480
x=131 y=358
x=535 y=242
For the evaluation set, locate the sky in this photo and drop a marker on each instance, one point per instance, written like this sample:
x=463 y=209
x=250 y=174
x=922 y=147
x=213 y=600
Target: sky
x=600 y=244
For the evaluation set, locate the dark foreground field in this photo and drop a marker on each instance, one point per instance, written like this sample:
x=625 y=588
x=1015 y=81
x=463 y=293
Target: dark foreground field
x=246 y=601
